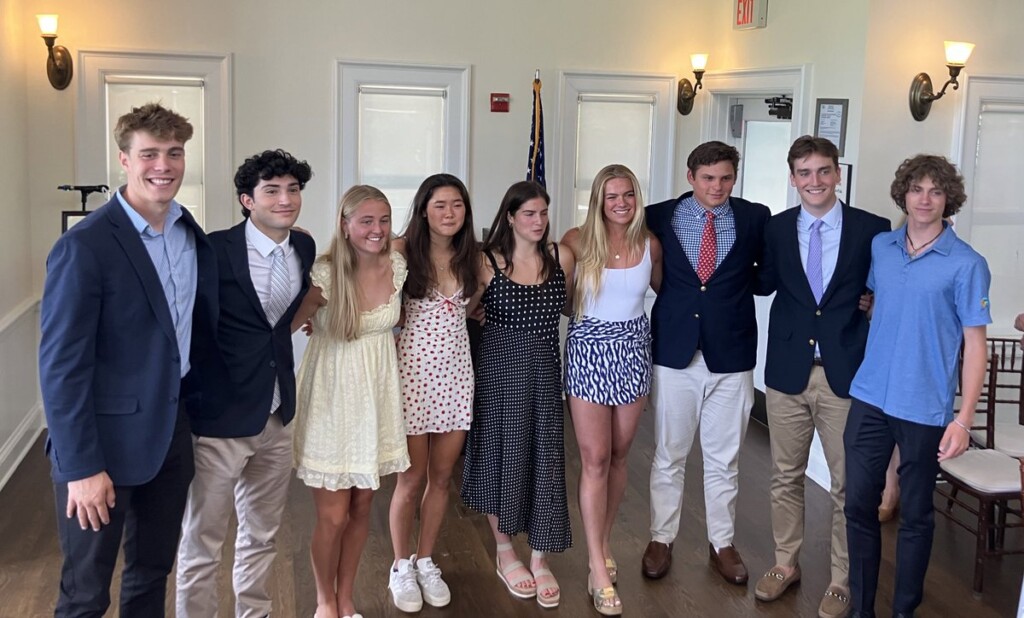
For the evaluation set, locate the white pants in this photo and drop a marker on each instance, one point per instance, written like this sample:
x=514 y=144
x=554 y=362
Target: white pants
x=718 y=404
x=250 y=475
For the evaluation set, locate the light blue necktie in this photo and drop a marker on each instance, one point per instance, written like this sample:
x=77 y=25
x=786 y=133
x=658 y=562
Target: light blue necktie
x=277 y=304
x=814 y=261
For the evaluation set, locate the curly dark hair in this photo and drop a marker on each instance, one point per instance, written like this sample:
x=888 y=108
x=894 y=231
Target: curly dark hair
x=421 y=275
x=710 y=153
x=941 y=172
x=266 y=165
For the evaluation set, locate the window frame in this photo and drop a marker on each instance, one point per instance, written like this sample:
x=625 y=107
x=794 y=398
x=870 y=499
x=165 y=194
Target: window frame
x=91 y=118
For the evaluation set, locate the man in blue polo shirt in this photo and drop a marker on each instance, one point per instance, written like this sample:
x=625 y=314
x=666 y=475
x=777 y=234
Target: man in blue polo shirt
x=931 y=296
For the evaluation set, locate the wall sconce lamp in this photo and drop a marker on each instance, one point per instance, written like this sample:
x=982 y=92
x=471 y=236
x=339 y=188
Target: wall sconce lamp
x=58 y=63
x=921 y=94
x=687 y=91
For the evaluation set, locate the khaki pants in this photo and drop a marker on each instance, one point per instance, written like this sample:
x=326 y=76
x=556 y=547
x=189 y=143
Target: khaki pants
x=793 y=420
x=251 y=476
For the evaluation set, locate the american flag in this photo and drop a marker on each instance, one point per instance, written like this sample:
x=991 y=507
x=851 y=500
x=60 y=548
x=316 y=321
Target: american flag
x=535 y=166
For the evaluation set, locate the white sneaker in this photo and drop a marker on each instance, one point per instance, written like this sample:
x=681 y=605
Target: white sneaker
x=404 y=590
x=428 y=575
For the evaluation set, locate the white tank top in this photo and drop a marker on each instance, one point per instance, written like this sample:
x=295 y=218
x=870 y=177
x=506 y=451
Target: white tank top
x=621 y=296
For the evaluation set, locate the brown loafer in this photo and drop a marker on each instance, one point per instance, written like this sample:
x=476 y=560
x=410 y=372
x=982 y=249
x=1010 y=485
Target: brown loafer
x=728 y=564
x=774 y=583
x=835 y=603
x=657 y=560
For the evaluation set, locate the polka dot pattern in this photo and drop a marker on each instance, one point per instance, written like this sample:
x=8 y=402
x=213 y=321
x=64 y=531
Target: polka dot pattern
x=515 y=456
x=435 y=366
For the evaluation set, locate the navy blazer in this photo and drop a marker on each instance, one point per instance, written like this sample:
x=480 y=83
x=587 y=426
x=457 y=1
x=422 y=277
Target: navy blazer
x=237 y=360
x=837 y=325
x=719 y=315
x=109 y=365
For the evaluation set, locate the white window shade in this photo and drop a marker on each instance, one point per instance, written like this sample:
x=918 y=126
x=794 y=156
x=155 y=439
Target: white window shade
x=184 y=96
x=401 y=142
x=615 y=128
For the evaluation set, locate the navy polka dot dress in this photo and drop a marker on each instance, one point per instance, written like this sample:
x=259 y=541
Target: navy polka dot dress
x=515 y=458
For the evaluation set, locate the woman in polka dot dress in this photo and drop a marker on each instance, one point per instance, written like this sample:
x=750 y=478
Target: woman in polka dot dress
x=515 y=461
x=436 y=374
x=608 y=357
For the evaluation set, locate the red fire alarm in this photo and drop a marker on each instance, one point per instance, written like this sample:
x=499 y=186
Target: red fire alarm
x=499 y=101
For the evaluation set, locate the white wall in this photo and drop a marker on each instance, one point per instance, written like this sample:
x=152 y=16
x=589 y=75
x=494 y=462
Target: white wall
x=904 y=39
x=20 y=416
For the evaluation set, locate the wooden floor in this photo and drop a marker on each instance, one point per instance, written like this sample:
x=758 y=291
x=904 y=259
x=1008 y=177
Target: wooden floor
x=30 y=559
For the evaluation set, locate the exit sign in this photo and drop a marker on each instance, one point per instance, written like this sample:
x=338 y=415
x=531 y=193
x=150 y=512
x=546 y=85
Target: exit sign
x=750 y=14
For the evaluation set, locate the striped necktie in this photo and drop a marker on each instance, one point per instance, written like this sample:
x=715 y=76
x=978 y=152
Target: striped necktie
x=277 y=304
x=813 y=269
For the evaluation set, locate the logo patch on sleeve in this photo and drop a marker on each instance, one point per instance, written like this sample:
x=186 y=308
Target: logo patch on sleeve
x=984 y=302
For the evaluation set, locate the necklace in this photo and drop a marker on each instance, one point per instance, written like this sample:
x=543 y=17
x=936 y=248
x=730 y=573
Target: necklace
x=618 y=253
x=914 y=250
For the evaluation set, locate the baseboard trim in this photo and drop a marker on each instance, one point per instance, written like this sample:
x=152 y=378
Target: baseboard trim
x=17 y=446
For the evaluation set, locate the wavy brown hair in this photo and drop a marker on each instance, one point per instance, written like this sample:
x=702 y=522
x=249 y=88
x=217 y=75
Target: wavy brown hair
x=155 y=119
x=502 y=239
x=942 y=173
x=422 y=276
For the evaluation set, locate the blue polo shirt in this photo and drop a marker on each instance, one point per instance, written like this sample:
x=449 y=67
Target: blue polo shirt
x=922 y=305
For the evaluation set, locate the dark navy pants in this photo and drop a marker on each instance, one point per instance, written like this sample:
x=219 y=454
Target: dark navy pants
x=869 y=439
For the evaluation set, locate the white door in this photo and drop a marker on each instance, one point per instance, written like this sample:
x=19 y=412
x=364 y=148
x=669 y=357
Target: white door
x=992 y=220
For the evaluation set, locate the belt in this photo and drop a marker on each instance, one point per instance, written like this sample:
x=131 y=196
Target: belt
x=817 y=361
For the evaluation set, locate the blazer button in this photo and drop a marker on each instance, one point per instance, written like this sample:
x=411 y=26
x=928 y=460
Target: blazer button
x=811 y=342
x=818 y=312
x=273 y=364
x=703 y=288
x=696 y=315
x=172 y=399
x=176 y=359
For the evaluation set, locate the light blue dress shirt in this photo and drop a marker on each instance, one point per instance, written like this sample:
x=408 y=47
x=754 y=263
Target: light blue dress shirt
x=173 y=253
x=831 y=233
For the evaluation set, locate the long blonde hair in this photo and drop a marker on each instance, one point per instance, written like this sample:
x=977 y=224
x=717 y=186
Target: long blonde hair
x=593 y=241
x=343 y=305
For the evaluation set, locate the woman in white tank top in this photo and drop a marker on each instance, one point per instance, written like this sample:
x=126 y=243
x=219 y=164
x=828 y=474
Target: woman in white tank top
x=608 y=357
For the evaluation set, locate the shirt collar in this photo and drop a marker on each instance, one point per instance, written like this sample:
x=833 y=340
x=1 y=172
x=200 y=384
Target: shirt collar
x=262 y=243
x=141 y=225
x=693 y=207
x=831 y=220
x=944 y=244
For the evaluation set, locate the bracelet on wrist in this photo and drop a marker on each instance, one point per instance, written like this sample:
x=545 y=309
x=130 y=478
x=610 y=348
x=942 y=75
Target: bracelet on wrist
x=962 y=426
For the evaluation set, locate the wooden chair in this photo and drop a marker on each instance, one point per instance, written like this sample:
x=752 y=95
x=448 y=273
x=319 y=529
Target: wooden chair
x=992 y=479
x=1006 y=437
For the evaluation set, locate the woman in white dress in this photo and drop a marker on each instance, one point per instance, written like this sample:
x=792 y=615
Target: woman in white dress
x=349 y=430
x=436 y=373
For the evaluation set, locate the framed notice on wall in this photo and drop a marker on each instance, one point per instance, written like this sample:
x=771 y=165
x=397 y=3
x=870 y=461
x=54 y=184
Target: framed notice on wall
x=830 y=121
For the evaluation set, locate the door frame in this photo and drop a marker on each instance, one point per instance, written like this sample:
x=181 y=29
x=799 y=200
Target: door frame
x=770 y=81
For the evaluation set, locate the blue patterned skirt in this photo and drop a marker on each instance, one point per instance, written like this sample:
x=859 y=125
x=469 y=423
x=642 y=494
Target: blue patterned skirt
x=608 y=363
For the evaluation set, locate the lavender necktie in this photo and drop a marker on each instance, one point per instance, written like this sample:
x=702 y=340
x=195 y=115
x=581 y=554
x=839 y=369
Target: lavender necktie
x=814 y=261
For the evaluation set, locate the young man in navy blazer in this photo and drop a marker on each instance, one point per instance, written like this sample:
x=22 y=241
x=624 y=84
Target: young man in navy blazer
x=817 y=257
x=123 y=290
x=245 y=390
x=705 y=344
